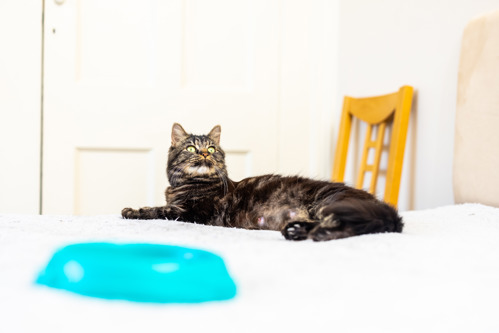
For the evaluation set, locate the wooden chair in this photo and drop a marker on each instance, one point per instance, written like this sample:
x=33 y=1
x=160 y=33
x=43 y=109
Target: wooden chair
x=378 y=112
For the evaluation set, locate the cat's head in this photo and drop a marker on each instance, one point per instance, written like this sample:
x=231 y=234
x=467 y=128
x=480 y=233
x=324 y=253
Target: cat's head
x=195 y=157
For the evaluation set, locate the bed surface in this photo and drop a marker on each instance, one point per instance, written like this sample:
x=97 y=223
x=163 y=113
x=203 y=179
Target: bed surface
x=440 y=275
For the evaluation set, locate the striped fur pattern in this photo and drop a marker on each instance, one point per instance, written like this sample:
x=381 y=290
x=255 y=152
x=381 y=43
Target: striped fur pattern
x=200 y=191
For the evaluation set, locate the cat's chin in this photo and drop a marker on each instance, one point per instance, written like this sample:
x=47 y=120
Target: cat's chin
x=200 y=170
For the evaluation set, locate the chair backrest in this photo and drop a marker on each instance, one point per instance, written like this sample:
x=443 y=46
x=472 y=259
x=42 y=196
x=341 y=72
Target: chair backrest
x=379 y=113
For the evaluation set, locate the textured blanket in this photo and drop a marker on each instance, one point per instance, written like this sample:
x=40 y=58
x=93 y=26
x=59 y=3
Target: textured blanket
x=440 y=275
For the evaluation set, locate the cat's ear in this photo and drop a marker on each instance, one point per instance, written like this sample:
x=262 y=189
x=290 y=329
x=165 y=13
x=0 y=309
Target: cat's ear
x=178 y=134
x=215 y=134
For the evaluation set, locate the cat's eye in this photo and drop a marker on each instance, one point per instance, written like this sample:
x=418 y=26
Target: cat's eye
x=211 y=150
x=191 y=149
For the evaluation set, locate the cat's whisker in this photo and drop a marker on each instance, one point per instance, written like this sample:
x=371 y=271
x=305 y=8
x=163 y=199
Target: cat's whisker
x=223 y=178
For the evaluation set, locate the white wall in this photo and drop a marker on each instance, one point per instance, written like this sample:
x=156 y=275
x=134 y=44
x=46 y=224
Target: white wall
x=388 y=43
x=359 y=48
x=308 y=76
x=20 y=94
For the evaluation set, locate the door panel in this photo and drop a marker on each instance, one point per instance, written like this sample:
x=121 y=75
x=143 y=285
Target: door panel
x=100 y=172
x=218 y=49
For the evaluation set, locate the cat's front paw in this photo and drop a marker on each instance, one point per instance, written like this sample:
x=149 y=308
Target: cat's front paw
x=297 y=230
x=129 y=213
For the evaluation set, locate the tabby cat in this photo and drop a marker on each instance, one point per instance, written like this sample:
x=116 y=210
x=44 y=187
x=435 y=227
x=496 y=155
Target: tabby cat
x=200 y=191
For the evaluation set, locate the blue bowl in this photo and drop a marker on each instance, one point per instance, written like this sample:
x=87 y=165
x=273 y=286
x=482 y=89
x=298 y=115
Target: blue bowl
x=139 y=272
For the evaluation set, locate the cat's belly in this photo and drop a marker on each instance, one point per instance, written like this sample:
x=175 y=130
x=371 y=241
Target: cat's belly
x=266 y=202
x=266 y=217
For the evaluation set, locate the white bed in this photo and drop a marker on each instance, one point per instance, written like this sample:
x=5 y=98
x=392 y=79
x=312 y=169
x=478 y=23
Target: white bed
x=440 y=275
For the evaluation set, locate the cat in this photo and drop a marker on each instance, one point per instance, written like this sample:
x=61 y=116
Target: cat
x=200 y=191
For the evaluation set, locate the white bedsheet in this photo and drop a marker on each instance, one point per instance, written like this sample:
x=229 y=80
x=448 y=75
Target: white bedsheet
x=440 y=275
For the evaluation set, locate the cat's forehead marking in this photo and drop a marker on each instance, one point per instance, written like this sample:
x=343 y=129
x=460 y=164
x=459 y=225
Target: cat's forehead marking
x=200 y=141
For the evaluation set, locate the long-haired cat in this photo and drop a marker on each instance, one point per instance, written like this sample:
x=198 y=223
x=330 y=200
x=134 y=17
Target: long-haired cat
x=200 y=191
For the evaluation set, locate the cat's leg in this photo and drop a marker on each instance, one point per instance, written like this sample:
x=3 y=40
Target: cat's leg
x=352 y=216
x=329 y=227
x=322 y=233
x=293 y=222
x=326 y=229
x=145 y=213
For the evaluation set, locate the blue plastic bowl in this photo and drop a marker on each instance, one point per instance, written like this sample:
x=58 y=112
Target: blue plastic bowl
x=139 y=272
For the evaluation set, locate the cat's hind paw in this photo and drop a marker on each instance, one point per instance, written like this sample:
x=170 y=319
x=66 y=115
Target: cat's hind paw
x=298 y=230
x=321 y=234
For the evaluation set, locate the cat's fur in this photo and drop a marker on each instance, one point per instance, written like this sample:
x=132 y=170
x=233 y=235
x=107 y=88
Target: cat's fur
x=200 y=191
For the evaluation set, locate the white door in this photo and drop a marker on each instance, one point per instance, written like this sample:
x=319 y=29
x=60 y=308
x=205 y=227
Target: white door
x=117 y=75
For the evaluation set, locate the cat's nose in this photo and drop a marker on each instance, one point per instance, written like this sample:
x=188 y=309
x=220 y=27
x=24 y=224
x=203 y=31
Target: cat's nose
x=205 y=153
